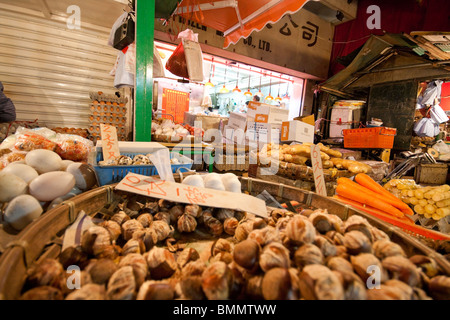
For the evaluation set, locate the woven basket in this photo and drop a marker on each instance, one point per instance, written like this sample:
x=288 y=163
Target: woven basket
x=42 y=238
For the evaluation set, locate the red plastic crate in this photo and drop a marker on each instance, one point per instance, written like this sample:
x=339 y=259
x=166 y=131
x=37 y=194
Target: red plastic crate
x=369 y=138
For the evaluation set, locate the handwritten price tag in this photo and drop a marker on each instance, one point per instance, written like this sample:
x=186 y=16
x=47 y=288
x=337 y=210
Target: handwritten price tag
x=110 y=145
x=316 y=161
x=184 y=193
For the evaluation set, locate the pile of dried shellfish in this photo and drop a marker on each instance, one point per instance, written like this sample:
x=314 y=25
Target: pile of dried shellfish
x=137 y=160
x=312 y=255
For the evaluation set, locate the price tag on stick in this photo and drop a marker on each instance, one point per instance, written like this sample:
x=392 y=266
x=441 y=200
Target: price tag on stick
x=110 y=144
x=316 y=161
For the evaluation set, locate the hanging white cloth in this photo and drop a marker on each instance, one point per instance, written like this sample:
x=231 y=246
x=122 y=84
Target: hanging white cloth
x=432 y=92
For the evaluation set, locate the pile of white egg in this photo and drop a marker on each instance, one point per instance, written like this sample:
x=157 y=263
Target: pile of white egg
x=168 y=128
x=42 y=181
x=223 y=182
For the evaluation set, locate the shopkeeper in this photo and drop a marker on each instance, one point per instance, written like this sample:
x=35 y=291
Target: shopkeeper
x=7 y=108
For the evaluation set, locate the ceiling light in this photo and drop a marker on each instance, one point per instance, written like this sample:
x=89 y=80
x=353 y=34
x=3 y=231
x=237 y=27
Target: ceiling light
x=211 y=70
x=237 y=82
x=224 y=90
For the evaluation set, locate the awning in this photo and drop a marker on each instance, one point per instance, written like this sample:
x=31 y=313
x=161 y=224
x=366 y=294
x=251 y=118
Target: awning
x=237 y=18
x=387 y=58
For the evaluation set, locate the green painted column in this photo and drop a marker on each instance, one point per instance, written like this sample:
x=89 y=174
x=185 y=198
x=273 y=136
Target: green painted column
x=145 y=26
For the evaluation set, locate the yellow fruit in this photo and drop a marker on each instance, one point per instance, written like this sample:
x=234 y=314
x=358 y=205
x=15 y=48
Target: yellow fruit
x=423 y=202
x=419 y=209
x=430 y=209
x=413 y=201
x=435 y=217
x=418 y=194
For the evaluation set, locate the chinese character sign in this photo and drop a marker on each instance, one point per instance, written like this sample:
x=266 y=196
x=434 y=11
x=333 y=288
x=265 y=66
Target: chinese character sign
x=319 y=180
x=110 y=145
x=175 y=103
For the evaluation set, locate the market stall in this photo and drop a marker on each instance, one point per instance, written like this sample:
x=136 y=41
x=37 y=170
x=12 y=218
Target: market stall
x=179 y=190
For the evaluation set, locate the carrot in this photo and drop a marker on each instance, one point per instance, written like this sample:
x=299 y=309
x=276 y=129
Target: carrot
x=399 y=204
x=375 y=212
x=349 y=192
x=366 y=181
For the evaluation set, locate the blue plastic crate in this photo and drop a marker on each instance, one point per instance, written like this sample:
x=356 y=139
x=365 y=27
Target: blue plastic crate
x=113 y=174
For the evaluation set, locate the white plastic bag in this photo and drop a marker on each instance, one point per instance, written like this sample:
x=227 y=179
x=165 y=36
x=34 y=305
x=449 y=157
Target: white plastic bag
x=426 y=127
x=432 y=92
x=437 y=114
x=441 y=147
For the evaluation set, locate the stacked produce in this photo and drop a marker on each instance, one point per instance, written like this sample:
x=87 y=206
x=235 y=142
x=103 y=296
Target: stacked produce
x=366 y=194
x=167 y=127
x=67 y=146
x=431 y=202
x=39 y=169
x=223 y=182
x=301 y=154
x=39 y=182
x=139 y=252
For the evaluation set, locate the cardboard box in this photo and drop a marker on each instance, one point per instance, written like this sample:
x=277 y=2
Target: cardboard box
x=263 y=133
x=266 y=113
x=234 y=135
x=308 y=119
x=237 y=121
x=297 y=131
x=208 y=122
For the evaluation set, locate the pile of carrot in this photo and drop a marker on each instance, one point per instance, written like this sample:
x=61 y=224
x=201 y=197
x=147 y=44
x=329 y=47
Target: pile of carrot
x=366 y=194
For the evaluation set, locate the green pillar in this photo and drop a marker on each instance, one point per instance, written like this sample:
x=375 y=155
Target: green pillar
x=145 y=26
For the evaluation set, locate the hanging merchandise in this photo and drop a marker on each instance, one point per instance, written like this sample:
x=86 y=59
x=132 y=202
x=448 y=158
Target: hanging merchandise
x=122 y=77
x=426 y=127
x=124 y=35
x=115 y=26
x=432 y=92
x=187 y=60
x=437 y=114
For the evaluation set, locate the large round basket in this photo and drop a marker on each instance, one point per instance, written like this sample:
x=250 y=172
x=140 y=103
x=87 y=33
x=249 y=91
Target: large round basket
x=43 y=238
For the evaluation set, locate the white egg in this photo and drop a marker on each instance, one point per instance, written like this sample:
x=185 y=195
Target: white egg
x=232 y=184
x=65 y=164
x=21 y=170
x=212 y=175
x=214 y=182
x=43 y=160
x=194 y=180
x=228 y=175
x=84 y=174
x=11 y=186
x=51 y=185
x=22 y=210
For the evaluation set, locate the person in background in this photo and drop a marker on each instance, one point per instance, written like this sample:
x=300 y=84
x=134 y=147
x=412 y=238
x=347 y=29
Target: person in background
x=256 y=98
x=7 y=108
